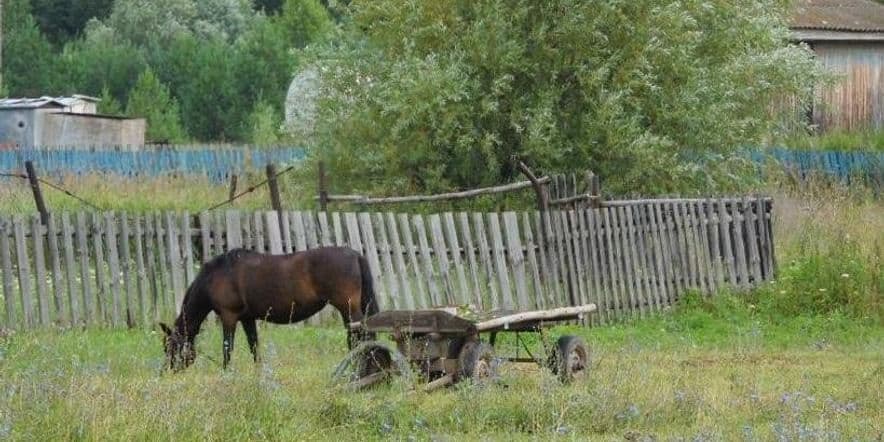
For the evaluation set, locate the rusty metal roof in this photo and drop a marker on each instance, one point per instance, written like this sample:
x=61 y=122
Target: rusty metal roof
x=33 y=103
x=838 y=15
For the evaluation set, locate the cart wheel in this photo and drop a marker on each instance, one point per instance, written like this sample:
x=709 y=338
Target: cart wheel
x=476 y=361
x=569 y=359
x=368 y=364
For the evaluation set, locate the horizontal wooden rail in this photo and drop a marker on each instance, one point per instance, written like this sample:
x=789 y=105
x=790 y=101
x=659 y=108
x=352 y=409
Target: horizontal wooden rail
x=364 y=200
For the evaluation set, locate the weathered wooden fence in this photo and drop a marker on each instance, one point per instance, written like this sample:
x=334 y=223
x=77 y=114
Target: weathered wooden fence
x=629 y=257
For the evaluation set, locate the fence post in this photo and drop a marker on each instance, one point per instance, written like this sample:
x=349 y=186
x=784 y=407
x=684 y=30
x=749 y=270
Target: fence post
x=323 y=188
x=233 y=179
x=542 y=198
x=595 y=192
x=38 y=195
x=274 y=191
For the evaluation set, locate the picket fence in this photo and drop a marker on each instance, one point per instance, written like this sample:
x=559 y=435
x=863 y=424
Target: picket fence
x=215 y=163
x=629 y=257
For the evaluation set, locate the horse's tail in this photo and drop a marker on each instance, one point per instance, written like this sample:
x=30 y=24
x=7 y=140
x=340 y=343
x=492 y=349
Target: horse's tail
x=368 y=300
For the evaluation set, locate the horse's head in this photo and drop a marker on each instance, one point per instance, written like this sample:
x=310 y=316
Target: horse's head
x=180 y=352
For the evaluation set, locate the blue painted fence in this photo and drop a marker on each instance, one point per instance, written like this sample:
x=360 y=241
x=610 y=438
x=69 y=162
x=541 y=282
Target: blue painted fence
x=849 y=167
x=215 y=163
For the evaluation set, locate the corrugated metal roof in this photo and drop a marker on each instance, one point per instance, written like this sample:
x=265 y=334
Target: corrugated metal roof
x=838 y=15
x=34 y=103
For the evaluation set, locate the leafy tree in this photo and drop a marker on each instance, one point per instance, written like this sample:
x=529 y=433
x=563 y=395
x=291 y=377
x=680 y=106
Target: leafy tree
x=269 y=7
x=29 y=65
x=109 y=105
x=304 y=21
x=101 y=59
x=150 y=99
x=264 y=124
x=61 y=20
x=439 y=95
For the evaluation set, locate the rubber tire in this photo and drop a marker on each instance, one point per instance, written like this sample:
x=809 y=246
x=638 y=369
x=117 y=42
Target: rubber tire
x=476 y=362
x=569 y=359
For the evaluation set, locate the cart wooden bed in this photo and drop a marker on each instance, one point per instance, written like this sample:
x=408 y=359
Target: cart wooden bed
x=444 y=346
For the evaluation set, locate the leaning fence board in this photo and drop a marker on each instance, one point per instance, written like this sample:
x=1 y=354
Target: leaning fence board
x=175 y=263
x=595 y=242
x=455 y=250
x=340 y=239
x=56 y=276
x=143 y=305
x=6 y=266
x=548 y=276
x=205 y=237
x=24 y=272
x=516 y=259
x=700 y=239
x=371 y=252
x=486 y=260
x=426 y=261
x=102 y=294
x=113 y=257
x=285 y=227
x=715 y=239
x=656 y=243
x=420 y=296
x=354 y=240
x=274 y=236
x=666 y=252
x=384 y=249
x=724 y=229
x=325 y=235
x=533 y=268
x=645 y=255
x=764 y=234
x=633 y=261
x=498 y=251
x=67 y=231
x=739 y=245
x=561 y=253
x=406 y=293
x=443 y=264
x=83 y=256
x=187 y=248
x=752 y=239
x=311 y=230
x=40 y=269
x=152 y=267
x=470 y=255
x=583 y=235
x=221 y=234
x=164 y=304
x=259 y=237
x=580 y=296
x=234 y=230
x=131 y=307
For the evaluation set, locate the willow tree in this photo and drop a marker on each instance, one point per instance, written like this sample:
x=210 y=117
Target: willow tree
x=432 y=95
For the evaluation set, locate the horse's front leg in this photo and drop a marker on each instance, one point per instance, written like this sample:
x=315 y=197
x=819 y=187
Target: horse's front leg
x=248 y=325
x=228 y=329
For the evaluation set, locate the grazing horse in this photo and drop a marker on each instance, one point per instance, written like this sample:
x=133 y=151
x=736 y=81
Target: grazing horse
x=244 y=286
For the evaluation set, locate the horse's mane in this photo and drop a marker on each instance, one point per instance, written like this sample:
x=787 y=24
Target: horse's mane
x=221 y=262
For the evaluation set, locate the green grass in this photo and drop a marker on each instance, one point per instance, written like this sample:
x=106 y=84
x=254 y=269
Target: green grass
x=872 y=140
x=708 y=371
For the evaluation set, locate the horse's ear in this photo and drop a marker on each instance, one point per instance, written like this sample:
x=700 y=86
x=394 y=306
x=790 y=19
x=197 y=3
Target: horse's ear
x=165 y=328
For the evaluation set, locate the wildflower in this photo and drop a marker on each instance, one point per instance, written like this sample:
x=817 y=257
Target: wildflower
x=822 y=290
x=845 y=275
x=782 y=292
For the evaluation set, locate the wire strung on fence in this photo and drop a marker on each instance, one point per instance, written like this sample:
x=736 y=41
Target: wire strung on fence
x=250 y=189
x=53 y=186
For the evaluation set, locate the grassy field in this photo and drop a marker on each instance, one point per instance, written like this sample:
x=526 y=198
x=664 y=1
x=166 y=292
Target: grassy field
x=706 y=372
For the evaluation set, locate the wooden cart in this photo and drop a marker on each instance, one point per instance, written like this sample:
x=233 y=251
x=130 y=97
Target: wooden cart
x=444 y=347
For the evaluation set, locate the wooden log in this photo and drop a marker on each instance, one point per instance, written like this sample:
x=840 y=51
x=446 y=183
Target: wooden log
x=540 y=315
x=359 y=199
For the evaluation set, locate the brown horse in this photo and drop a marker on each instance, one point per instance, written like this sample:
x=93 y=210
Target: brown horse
x=244 y=286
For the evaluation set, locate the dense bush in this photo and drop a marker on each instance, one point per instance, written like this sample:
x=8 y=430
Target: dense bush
x=440 y=95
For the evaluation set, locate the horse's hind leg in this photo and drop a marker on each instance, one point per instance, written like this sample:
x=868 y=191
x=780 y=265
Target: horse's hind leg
x=248 y=325
x=228 y=329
